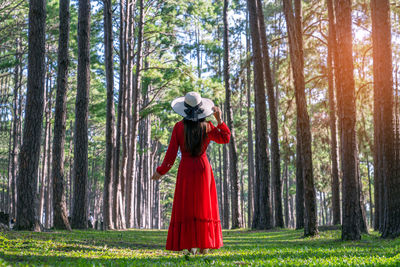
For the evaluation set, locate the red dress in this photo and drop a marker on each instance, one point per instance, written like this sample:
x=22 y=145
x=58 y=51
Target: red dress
x=195 y=221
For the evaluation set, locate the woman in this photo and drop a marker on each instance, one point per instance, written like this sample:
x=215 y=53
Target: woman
x=195 y=221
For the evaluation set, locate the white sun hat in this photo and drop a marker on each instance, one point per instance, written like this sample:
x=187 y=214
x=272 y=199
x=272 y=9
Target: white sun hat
x=192 y=106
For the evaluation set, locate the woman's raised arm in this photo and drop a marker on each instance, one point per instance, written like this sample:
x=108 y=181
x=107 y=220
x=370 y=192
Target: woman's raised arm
x=170 y=156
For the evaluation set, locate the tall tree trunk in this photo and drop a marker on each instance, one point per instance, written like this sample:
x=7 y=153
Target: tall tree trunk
x=299 y=183
x=371 y=204
x=332 y=117
x=326 y=208
x=286 y=201
x=146 y=135
x=70 y=170
x=157 y=195
x=69 y=185
x=109 y=206
x=378 y=152
x=49 y=195
x=148 y=165
x=226 y=188
x=140 y=170
x=221 y=192
x=383 y=88
x=42 y=178
x=294 y=27
x=232 y=144
x=135 y=114
x=122 y=130
x=242 y=212
x=378 y=166
x=219 y=181
x=361 y=202
x=7 y=196
x=250 y=157
x=79 y=212
x=321 y=204
x=273 y=113
x=347 y=115
x=291 y=206
x=15 y=127
x=95 y=202
x=262 y=202
x=126 y=62
x=29 y=155
x=121 y=92
x=60 y=217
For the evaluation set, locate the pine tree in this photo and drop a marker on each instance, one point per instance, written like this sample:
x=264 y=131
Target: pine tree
x=30 y=151
x=60 y=216
x=293 y=23
x=79 y=212
x=347 y=116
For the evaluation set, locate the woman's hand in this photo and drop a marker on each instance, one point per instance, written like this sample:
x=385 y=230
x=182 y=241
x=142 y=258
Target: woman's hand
x=217 y=114
x=156 y=176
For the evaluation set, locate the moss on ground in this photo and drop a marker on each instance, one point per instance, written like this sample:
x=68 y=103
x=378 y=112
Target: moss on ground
x=241 y=247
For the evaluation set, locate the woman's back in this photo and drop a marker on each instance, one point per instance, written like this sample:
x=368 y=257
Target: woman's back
x=212 y=134
x=195 y=221
x=195 y=218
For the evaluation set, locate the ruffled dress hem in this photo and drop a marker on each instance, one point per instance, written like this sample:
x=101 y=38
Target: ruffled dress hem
x=194 y=233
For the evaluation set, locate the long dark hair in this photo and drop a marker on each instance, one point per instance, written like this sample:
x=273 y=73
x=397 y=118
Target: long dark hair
x=195 y=134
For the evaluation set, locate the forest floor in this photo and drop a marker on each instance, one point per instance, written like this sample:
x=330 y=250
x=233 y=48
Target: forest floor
x=241 y=247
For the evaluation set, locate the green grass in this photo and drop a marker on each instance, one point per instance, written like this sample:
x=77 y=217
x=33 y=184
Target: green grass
x=241 y=247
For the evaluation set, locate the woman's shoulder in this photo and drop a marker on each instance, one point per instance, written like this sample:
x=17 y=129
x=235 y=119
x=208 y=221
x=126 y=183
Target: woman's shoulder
x=210 y=126
x=178 y=125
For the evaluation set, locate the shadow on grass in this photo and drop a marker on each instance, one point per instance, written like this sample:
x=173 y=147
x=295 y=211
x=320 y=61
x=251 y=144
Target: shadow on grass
x=131 y=239
x=257 y=257
x=146 y=247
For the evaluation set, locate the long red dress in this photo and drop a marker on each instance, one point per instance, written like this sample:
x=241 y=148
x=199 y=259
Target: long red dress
x=195 y=221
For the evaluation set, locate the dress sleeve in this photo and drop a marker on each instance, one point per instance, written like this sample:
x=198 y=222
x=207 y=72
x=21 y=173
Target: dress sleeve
x=220 y=134
x=170 y=156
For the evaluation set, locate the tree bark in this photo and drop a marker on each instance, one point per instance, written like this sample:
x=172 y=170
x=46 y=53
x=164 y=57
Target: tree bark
x=361 y=202
x=226 y=188
x=371 y=205
x=273 y=114
x=250 y=157
x=321 y=204
x=126 y=63
x=121 y=96
x=291 y=206
x=140 y=171
x=49 y=195
x=332 y=117
x=347 y=115
x=109 y=206
x=60 y=217
x=262 y=203
x=299 y=183
x=42 y=178
x=294 y=27
x=235 y=204
x=70 y=173
x=383 y=88
x=148 y=165
x=135 y=114
x=221 y=193
x=79 y=212
x=29 y=155
x=286 y=201
x=15 y=129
